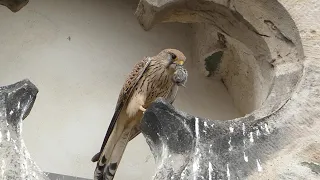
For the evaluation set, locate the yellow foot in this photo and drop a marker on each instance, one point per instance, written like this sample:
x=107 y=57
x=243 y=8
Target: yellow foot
x=142 y=109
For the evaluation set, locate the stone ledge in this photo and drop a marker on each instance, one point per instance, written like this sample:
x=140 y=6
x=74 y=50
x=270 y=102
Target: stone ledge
x=188 y=147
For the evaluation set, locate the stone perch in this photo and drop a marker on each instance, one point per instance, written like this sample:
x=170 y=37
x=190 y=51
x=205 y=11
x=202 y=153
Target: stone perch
x=16 y=102
x=187 y=147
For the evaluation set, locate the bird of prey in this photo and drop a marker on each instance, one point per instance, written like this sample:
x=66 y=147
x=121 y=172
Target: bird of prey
x=152 y=77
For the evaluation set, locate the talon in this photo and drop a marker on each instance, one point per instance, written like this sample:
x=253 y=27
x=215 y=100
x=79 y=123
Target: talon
x=142 y=109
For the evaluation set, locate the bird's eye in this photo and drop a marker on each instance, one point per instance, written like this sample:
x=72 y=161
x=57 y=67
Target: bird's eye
x=173 y=56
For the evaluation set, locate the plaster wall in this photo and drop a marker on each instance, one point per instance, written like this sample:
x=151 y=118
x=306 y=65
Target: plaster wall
x=78 y=54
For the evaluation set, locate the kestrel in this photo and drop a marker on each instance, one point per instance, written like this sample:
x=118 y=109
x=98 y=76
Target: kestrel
x=150 y=78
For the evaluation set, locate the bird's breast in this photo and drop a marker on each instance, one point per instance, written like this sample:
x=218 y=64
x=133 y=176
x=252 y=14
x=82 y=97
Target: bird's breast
x=155 y=82
x=159 y=85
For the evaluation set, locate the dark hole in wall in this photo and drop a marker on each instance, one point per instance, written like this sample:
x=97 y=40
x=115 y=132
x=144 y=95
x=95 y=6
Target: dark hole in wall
x=212 y=62
x=313 y=166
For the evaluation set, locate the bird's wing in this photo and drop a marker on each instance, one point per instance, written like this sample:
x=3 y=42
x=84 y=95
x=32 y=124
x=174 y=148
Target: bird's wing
x=132 y=80
x=124 y=95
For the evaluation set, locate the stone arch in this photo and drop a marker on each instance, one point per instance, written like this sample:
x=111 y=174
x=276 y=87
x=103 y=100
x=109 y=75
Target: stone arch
x=263 y=30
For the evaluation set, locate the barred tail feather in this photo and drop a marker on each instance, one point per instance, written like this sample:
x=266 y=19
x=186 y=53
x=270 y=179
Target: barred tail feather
x=106 y=169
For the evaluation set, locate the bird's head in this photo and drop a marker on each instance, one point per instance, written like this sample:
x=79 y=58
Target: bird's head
x=173 y=57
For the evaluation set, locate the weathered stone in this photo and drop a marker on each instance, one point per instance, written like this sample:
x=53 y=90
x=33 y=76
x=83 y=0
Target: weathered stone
x=271 y=68
x=14 y=5
x=188 y=147
x=16 y=102
x=260 y=41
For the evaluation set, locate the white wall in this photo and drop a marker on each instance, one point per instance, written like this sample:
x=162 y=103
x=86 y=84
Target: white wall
x=79 y=80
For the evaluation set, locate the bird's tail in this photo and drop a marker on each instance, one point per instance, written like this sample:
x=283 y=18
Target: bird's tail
x=104 y=155
x=108 y=164
x=134 y=133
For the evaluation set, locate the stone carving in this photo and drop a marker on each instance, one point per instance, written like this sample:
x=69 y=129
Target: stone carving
x=188 y=147
x=270 y=67
x=14 y=5
x=16 y=101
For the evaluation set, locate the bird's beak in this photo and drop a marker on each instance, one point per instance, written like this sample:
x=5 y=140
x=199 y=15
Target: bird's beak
x=176 y=62
x=179 y=62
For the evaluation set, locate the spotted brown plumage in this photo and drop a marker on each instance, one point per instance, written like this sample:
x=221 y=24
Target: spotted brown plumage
x=150 y=78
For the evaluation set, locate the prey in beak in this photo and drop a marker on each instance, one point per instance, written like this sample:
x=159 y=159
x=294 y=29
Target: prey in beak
x=176 y=62
x=180 y=76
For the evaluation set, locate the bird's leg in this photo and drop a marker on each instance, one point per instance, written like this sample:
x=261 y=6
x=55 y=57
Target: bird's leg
x=135 y=104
